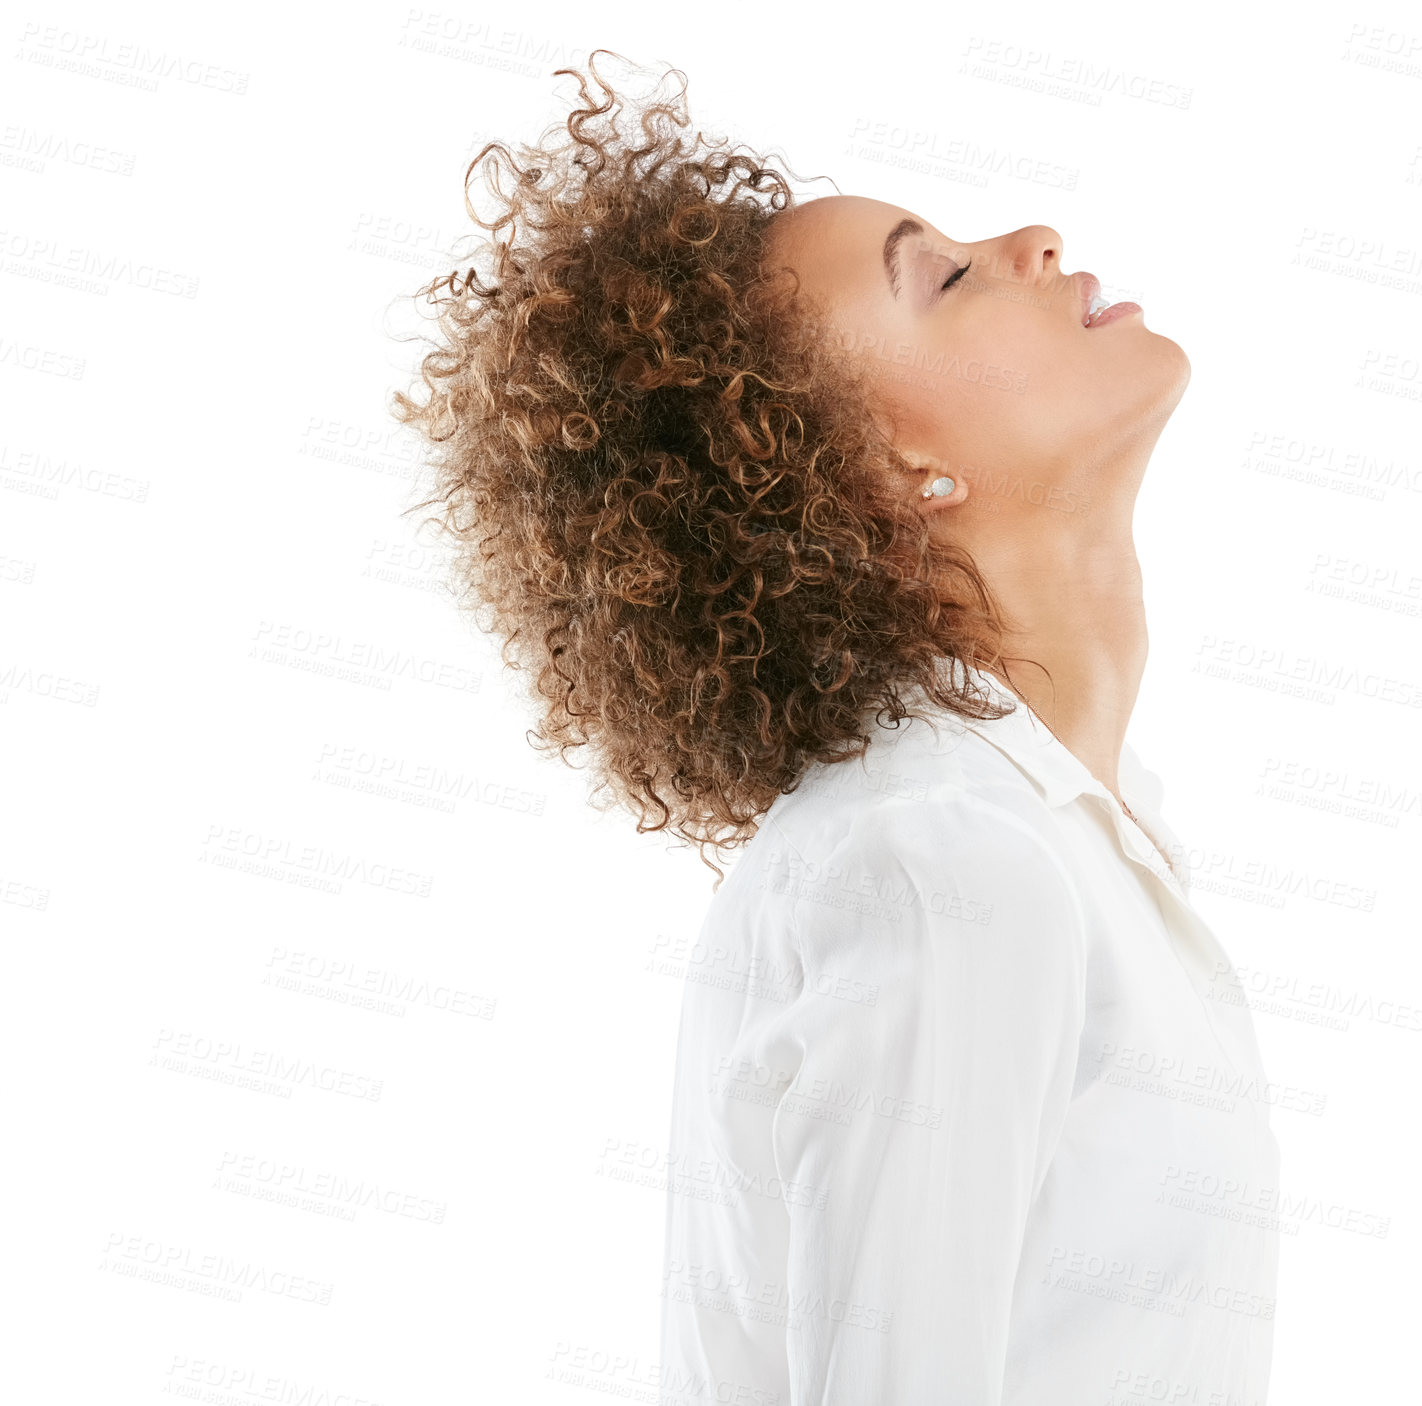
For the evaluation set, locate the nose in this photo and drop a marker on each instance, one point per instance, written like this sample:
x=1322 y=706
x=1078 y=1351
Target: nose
x=1032 y=254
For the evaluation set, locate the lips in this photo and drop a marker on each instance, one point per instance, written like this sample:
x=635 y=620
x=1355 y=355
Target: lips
x=1095 y=311
x=1113 y=313
x=1089 y=287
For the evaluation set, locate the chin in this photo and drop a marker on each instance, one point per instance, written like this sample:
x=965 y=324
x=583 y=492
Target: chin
x=1170 y=367
x=1173 y=349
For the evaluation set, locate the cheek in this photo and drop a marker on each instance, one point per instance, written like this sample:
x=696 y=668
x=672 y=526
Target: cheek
x=1000 y=353
x=1026 y=348
x=1001 y=378
x=997 y=374
x=1035 y=374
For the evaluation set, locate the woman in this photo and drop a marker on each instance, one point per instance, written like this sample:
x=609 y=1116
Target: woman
x=813 y=522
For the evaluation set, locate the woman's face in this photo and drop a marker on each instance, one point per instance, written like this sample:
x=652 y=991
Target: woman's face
x=983 y=363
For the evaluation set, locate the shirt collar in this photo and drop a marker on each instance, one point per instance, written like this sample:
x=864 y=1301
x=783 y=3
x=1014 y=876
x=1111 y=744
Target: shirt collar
x=1061 y=776
x=1058 y=773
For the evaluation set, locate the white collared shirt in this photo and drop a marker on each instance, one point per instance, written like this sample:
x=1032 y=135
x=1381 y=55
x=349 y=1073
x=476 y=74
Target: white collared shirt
x=963 y=1112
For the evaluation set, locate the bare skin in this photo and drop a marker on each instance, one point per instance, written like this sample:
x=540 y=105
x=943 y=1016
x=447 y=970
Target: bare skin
x=1044 y=425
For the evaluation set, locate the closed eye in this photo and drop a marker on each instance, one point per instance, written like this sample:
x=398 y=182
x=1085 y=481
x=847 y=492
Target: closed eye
x=953 y=278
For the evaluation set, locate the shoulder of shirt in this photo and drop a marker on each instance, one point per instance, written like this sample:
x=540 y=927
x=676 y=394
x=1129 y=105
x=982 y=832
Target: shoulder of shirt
x=932 y=768
x=933 y=807
x=859 y=870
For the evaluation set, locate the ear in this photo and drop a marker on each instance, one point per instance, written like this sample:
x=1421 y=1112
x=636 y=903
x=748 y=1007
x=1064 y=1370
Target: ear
x=932 y=468
x=923 y=462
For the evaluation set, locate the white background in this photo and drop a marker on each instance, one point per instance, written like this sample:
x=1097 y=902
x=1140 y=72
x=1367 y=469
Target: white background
x=218 y=629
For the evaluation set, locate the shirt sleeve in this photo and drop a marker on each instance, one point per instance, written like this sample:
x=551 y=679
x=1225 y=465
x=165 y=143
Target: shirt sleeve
x=938 y=1032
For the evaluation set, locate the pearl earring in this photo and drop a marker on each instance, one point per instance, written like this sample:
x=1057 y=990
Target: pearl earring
x=939 y=488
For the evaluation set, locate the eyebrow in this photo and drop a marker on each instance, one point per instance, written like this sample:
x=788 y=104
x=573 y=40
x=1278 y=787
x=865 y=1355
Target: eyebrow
x=891 y=249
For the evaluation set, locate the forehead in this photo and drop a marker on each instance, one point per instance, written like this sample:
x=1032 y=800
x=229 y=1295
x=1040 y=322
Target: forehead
x=837 y=242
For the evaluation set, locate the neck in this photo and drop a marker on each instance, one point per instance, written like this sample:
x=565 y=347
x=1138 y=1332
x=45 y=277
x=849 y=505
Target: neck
x=1076 y=643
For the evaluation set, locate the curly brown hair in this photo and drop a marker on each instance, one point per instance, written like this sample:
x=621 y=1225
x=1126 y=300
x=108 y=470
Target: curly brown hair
x=668 y=488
